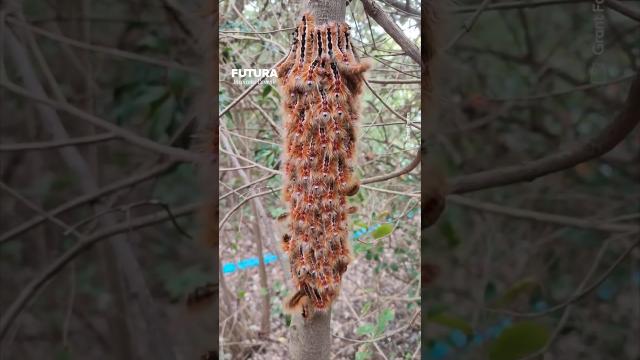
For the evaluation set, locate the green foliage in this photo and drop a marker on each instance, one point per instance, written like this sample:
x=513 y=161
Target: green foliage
x=385 y=317
x=518 y=340
x=382 y=322
x=153 y=42
x=363 y=352
x=373 y=331
x=490 y=291
x=276 y=211
x=178 y=281
x=11 y=252
x=365 y=308
x=382 y=231
x=449 y=232
x=241 y=294
x=365 y=329
x=86 y=280
x=522 y=287
x=63 y=354
x=266 y=90
x=177 y=186
x=450 y=321
x=267 y=154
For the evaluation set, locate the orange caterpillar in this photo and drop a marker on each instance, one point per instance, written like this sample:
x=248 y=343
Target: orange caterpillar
x=320 y=81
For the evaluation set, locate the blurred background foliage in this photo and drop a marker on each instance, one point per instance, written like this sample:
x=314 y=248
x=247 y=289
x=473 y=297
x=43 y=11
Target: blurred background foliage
x=135 y=64
x=526 y=82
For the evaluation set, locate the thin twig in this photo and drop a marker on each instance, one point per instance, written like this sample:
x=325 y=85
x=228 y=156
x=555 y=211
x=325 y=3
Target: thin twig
x=103 y=49
x=562 y=220
x=172 y=152
x=576 y=297
x=405 y=170
x=246 y=92
x=406 y=121
x=623 y=9
x=385 y=21
x=567 y=311
x=242 y=202
x=32 y=288
x=393 y=81
x=514 y=5
x=44 y=145
x=275 y=172
x=81 y=200
x=386 y=335
x=466 y=27
x=600 y=144
x=234 y=191
x=37 y=209
x=565 y=92
x=256 y=32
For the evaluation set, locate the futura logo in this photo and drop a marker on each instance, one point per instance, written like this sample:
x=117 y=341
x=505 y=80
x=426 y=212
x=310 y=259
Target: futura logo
x=253 y=73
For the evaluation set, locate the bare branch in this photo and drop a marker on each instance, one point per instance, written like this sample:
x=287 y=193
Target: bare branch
x=466 y=27
x=256 y=32
x=71 y=204
x=513 y=5
x=243 y=95
x=172 y=152
x=404 y=7
x=81 y=246
x=103 y=49
x=623 y=9
x=385 y=21
x=391 y=81
x=385 y=335
x=275 y=172
x=44 y=145
x=583 y=87
x=37 y=209
x=579 y=296
x=405 y=170
x=562 y=220
x=598 y=145
x=407 y=121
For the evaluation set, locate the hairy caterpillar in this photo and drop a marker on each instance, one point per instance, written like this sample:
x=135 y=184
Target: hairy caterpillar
x=320 y=80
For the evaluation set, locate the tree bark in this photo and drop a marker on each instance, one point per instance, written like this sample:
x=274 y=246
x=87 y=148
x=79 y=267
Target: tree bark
x=310 y=338
x=265 y=318
x=385 y=21
x=325 y=10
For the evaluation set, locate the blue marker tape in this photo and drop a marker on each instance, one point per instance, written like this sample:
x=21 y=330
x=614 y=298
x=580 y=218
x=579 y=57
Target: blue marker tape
x=228 y=268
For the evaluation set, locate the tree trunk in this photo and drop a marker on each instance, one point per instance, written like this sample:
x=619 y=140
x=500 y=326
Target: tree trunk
x=311 y=338
x=265 y=317
x=325 y=10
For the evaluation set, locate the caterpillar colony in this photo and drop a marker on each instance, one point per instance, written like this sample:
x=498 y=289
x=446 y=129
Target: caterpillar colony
x=320 y=81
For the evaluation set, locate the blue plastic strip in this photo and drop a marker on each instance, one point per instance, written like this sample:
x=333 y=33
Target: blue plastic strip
x=230 y=268
x=251 y=262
